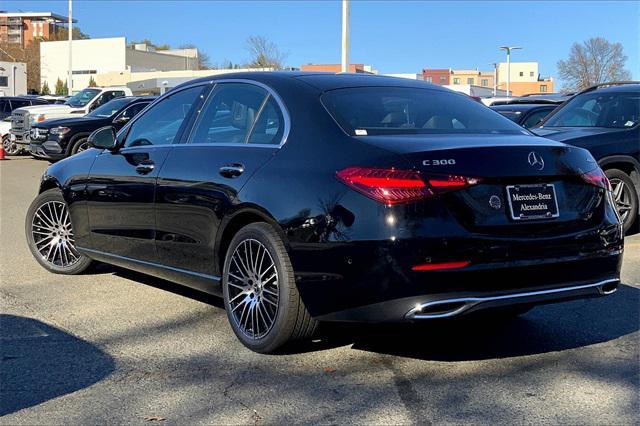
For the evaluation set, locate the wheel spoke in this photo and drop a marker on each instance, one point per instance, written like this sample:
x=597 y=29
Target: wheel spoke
x=52 y=234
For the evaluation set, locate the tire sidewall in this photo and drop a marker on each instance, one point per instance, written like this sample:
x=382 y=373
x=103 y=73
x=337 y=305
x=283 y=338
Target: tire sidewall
x=76 y=144
x=633 y=216
x=282 y=328
x=46 y=196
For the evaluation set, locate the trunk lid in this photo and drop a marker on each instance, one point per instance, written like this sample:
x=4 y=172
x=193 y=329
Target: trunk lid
x=509 y=167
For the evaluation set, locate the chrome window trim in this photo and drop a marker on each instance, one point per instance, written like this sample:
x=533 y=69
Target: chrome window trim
x=271 y=93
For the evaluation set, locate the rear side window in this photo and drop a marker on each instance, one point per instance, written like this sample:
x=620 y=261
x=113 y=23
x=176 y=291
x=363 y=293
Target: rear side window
x=18 y=103
x=399 y=110
x=239 y=113
x=616 y=110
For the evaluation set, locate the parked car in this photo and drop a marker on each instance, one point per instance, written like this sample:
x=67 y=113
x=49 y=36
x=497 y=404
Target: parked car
x=605 y=120
x=7 y=105
x=525 y=114
x=77 y=105
x=59 y=138
x=304 y=197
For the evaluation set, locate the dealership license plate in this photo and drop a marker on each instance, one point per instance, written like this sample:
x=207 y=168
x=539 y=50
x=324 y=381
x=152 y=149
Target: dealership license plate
x=528 y=202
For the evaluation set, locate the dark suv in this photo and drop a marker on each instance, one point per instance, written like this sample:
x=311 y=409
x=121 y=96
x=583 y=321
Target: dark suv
x=56 y=139
x=605 y=120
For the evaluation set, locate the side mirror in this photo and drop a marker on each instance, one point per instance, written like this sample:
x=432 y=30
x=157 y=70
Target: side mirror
x=103 y=138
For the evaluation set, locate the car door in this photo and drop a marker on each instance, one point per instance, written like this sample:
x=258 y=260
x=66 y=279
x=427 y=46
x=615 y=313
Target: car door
x=240 y=127
x=120 y=190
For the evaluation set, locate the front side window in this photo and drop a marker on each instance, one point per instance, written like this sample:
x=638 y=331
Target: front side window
x=133 y=110
x=108 y=109
x=618 y=110
x=232 y=113
x=82 y=98
x=401 y=110
x=161 y=124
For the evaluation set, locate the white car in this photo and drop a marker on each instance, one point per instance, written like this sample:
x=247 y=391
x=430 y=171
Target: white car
x=77 y=105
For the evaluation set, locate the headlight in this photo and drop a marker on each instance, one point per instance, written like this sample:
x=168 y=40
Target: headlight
x=59 y=131
x=36 y=118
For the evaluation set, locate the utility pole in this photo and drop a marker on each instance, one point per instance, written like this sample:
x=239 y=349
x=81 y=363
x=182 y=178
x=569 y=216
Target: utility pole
x=345 y=35
x=70 y=76
x=509 y=49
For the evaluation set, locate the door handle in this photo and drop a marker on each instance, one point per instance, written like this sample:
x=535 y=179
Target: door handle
x=232 y=170
x=145 y=167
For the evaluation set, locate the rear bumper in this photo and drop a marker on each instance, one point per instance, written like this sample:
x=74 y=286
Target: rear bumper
x=428 y=307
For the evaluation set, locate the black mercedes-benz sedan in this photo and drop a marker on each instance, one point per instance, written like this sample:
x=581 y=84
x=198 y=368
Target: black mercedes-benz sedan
x=304 y=197
x=59 y=138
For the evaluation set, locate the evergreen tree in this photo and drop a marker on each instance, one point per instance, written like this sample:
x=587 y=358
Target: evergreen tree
x=45 y=89
x=92 y=82
x=65 y=88
x=59 y=89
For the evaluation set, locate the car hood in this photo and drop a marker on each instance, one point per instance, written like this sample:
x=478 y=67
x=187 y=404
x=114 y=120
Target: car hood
x=74 y=121
x=49 y=109
x=564 y=134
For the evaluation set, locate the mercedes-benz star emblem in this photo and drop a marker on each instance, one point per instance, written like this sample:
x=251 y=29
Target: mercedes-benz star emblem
x=535 y=160
x=494 y=202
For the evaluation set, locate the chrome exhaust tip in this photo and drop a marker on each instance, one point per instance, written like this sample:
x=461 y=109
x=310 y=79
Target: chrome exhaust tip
x=439 y=309
x=608 y=288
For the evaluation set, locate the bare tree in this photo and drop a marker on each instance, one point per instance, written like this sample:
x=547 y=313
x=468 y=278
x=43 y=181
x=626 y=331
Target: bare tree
x=264 y=53
x=204 y=62
x=592 y=62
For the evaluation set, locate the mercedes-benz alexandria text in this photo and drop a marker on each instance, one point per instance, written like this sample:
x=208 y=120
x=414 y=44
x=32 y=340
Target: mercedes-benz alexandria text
x=301 y=198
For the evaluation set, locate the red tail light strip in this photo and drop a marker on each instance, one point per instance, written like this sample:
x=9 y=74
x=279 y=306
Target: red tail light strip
x=441 y=266
x=597 y=178
x=393 y=186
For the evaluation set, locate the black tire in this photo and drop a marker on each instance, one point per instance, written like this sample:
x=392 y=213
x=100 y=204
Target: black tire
x=78 y=145
x=625 y=197
x=68 y=261
x=10 y=148
x=292 y=321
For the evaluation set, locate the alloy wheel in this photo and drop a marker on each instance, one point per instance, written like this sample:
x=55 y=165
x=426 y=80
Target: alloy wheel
x=83 y=146
x=253 y=289
x=622 y=198
x=10 y=148
x=53 y=235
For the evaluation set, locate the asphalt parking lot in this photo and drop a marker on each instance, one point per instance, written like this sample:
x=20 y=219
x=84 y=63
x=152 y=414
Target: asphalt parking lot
x=119 y=347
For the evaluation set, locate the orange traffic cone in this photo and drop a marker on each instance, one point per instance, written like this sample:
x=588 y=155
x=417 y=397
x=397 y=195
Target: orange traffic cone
x=2 y=153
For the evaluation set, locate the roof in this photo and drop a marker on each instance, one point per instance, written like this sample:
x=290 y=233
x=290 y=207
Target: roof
x=621 y=86
x=323 y=80
x=49 y=15
x=521 y=107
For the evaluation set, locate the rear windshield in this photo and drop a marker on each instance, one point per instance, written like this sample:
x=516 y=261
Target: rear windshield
x=399 y=110
x=617 y=110
x=511 y=115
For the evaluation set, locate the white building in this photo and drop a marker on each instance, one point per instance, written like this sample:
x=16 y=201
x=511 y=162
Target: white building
x=409 y=76
x=477 y=91
x=520 y=72
x=13 y=78
x=105 y=55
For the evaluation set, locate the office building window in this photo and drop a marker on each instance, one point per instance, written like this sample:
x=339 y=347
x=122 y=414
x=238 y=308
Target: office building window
x=531 y=74
x=4 y=81
x=484 y=82
x=543 y=88
x=470 y=80
x=428 y=79
x=521 y=74
x=456 y=80
x=443 y=79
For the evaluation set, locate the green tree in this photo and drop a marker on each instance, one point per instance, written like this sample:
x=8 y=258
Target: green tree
x=59 y=87
x=92 y=82
x=45 y=89
x=65 y=88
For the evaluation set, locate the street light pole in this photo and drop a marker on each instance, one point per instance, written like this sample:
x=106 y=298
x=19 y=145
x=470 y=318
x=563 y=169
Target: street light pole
x=70 y=75
x=345 y=36
x=509 y=49
x=495 y=78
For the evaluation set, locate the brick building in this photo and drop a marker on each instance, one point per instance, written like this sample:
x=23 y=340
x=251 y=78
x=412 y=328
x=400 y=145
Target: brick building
x=23 y=27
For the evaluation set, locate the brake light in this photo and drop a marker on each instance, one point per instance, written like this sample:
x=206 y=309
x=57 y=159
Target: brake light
x=597 y=178
x=441 y=266
x=389 y=186
x=393 y=186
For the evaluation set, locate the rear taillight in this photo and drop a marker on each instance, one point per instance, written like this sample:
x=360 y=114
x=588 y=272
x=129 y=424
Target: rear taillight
x=393 y=186
x=597 y=178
